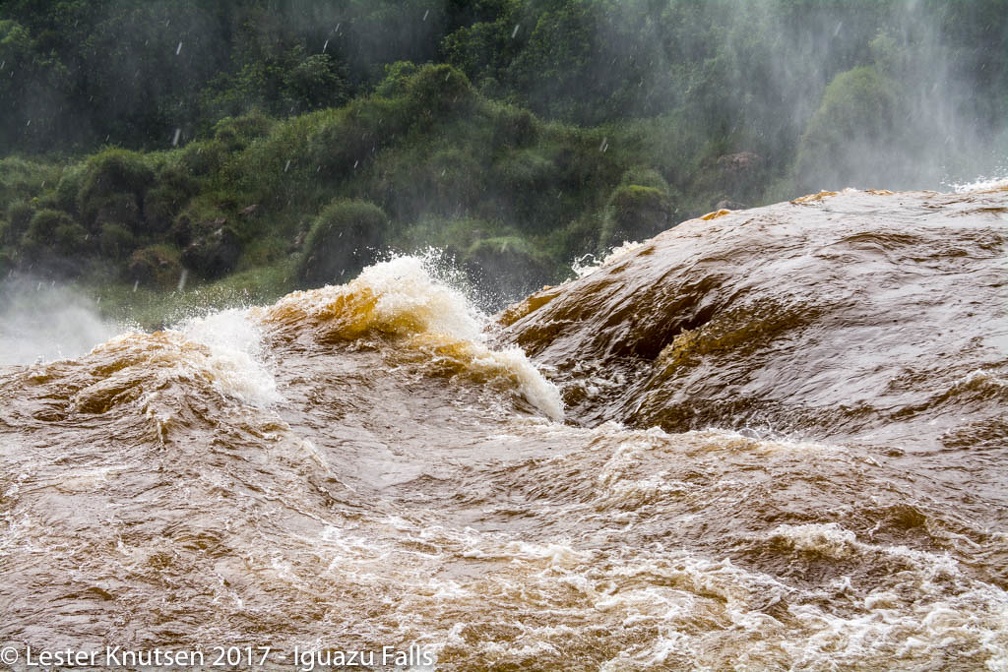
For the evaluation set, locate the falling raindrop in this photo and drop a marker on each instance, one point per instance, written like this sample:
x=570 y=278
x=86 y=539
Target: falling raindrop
x=325 y=46
x=178 y=50
x=355 y=164
x=178 y=134
x=605 y=144
x=287 y=165
x=515 y=31
x=425 y=14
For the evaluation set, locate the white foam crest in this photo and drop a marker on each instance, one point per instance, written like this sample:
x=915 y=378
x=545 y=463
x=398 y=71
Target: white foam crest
x=589 y=263
x=981 y=184
x=539 y=392
x=982 y=376
x=237 y=355
x=404 y=285
x=829 y=539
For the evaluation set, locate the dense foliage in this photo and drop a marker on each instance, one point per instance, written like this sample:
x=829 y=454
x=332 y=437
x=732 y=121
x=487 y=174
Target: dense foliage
x=151 y=141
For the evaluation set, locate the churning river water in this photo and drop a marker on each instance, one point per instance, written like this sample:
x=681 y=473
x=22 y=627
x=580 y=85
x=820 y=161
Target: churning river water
x=771 y=439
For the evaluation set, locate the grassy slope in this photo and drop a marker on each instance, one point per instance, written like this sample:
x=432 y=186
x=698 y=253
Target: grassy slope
x=510 y=198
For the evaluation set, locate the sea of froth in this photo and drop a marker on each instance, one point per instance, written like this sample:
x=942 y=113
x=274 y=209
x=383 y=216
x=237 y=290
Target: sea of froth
x=606 y=548
x=376 y=464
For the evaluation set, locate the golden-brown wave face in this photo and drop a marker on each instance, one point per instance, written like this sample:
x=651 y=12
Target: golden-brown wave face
x=851 y=314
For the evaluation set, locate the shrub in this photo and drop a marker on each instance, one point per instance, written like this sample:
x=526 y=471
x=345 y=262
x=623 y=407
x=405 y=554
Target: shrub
x=19 y=214
x=202 y=158
x=852 y=136
x=515 y=127
x=523 y=170
x=414 y=182
x=69 y=186
x=213 y=254
x=71 y=239
x=344 y=238
x=635 y=212
x=115 y=241
x=156 y=266
x=113 y=188
x=509 y=267
x=427 y=93
x=235 y=133
x=54 y=231
x=174 y=188
x=397 y=78
x=437 y=92
x=21 y=179
x=342 y=141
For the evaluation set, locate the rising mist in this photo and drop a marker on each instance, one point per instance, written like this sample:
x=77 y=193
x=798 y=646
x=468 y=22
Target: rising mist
x=236 y=142
x=40 y=321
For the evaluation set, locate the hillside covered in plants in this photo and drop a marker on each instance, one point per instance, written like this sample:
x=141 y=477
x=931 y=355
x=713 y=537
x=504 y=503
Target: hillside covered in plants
x=257 y=146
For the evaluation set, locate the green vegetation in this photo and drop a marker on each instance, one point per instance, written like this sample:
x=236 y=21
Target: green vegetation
x=243 y=148
x=345 y=237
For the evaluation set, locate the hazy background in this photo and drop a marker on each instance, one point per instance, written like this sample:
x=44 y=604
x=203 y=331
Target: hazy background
x=157 y=153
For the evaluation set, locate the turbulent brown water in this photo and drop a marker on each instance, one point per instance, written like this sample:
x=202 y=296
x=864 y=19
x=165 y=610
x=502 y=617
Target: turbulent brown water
x=769 y=439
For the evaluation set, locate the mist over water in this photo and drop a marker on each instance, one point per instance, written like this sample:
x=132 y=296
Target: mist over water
x=42 y=321
x=877 y=95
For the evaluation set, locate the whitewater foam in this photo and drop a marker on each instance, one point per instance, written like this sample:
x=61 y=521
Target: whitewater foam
x=589 y=263
x=237 y=356
x=433 y=324
x=981 y=184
